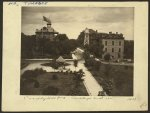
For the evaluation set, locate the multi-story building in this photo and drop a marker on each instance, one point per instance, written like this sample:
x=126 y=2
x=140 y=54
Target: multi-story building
x=43 y=35
x=46 y=32
x=113 y=43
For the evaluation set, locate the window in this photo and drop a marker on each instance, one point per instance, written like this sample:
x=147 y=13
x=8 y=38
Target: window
x=106 y=43
x=112 y=49
x=119 y=43
x=112 y=42
x=105 y=49
x=119 y=49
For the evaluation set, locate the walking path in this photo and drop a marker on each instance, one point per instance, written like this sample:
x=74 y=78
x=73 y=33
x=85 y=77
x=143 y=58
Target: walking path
x=90 y=83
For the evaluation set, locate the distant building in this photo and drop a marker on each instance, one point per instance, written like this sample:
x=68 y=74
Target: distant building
x=113 y=43
x=77 y=54
x=46 y=32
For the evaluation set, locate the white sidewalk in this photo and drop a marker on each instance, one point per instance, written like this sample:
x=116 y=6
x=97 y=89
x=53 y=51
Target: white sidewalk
x=90 y=83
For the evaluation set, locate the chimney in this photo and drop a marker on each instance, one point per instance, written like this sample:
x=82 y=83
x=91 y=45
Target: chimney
x=110 y=32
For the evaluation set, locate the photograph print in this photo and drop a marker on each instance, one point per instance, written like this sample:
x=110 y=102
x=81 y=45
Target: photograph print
x=77 y=51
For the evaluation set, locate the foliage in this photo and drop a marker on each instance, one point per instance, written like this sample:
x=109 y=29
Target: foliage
x=61 y=46
x=95 y=47
x=129 y=49
x=97 y=65
x=54 y=64
x=78 y=75
x=108 y=86
x=107 y=57
x=61 y=37
x=32 y=74
x=75 y=63
x=27 y=45
x=101 y=93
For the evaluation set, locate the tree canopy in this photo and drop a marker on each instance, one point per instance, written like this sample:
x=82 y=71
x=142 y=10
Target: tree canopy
x=129 y=49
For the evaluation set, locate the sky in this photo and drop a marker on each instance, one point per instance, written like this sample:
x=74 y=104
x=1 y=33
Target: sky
x=73 y=20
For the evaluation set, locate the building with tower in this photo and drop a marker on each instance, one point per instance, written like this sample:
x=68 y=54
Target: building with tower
x=47 y=33
x=113 y=43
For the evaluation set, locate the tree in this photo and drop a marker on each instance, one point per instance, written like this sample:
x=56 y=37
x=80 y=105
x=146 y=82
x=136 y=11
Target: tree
x=54 y=64
x=80 y=74
x=27 y=45
x=75 y=64
x=61 y=37
x=95 y=46
x=129 y=49
x=107 y=57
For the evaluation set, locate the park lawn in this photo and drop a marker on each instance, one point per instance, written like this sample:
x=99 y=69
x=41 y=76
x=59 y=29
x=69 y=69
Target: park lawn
x=65 y=84
x=122 y=77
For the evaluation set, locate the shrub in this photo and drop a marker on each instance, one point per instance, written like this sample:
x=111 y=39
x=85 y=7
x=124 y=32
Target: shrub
x=32 y=74
x=107 y=57
x=101 y=93
x=29 y=74
x=50 y=90
x=108 y=86
x=78 y=75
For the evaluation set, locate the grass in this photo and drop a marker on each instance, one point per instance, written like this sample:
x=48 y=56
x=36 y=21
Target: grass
x=121 y=79
x=54 y=83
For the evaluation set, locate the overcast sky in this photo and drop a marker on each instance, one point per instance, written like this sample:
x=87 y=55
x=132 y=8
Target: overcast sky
x=72 y=20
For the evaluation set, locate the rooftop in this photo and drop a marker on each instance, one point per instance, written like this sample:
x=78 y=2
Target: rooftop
x=103 y=35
